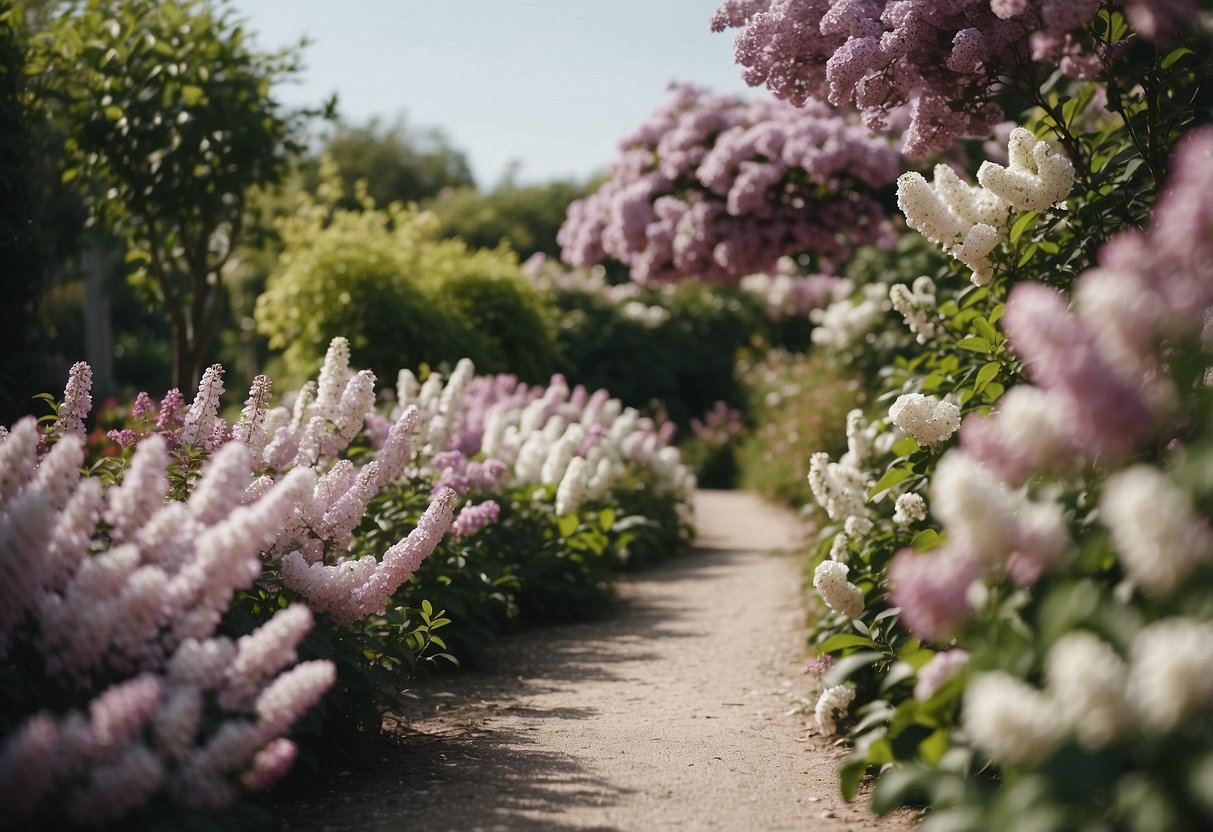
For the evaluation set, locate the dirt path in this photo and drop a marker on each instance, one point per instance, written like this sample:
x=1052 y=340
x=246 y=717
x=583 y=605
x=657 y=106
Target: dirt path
x=672 y=713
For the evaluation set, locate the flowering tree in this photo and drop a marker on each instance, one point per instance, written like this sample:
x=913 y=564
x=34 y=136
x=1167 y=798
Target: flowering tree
x=715 y=188
x=935 y=66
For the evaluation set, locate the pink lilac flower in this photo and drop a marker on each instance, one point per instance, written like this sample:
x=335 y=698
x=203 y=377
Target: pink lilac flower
x=77 y=401
x=29 y=763
x=143 y=410
x=1061 y=354
x=942 y=667
x=931 y=590
x=718 y=188
x=271 y=762
x=473 y=518
x=124 y=438
x=172 y=408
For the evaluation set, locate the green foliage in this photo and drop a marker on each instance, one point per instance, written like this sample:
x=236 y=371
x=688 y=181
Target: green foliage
x=168 y=119
x=401 y=294
x=797 y=405
x=20 y=238
x=398 y=163
x=672 y=347
x=527 y=217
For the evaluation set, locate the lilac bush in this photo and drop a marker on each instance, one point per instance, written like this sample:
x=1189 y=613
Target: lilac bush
x=715 y=188
x=932 y=68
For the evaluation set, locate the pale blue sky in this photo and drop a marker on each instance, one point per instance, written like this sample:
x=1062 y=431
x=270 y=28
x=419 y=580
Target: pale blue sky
x=551 y=84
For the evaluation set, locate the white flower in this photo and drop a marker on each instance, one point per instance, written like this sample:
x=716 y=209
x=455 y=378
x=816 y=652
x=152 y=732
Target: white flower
x=1036 y=177
x=1169 y=671
x=1087 y=682
x=909 y=508
x=840 y=490
x=1009 y=720
x=840 y=595
x=929 y=420
x=916 y=304
x=1156 y=534
x=977 y=512
x=831 y=706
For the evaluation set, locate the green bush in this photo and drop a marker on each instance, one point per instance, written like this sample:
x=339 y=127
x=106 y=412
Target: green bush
x=404 y=296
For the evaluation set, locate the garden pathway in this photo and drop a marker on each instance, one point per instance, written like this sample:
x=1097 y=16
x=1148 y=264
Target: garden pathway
x=670 y=713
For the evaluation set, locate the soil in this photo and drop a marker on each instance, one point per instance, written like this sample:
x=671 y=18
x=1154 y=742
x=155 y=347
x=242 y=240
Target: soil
x=676 y=711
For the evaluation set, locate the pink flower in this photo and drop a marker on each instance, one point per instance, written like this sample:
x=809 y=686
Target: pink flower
x=931 y=590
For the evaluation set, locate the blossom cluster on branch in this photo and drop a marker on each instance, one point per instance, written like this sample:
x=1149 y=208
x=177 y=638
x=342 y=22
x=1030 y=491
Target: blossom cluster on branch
x=716 y=188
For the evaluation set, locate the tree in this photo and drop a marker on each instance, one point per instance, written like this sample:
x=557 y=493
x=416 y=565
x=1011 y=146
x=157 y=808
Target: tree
x=169 y=123
x=18 y=239
x=398 y=163
x=526 y=216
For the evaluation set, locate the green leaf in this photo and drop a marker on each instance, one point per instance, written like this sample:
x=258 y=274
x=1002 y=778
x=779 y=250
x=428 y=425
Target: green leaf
x=1021 y=225
x=567 y=525
x=925 y=540
x=191 y=95
x=905 y=446
x=839 y=641
x=987 y=373
x=847 y=665
x=985 y=329
x=974 y=344
x=427 y=609
x=891 y=477
x=1174 y=55
x=897 y=786
x=113 y=112
x=850 y=775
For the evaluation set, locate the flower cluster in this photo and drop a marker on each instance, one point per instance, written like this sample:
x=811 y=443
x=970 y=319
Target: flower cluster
x=934 y=66
x=717 y=188
x=970 y=221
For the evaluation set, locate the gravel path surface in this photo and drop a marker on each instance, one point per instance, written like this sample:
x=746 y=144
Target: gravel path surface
x=670 y=713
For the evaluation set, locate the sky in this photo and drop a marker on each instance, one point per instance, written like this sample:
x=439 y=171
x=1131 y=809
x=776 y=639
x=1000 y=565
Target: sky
x=550 y=84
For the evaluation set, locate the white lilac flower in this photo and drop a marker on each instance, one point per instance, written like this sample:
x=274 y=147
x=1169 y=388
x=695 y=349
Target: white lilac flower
x=848 y=320
x=201 y=418
x=916 y=303
x=1169 y=678
x=1087 y=679
x=251 y=427
x=572 y=490
x=1156 y=533
x=929 y=420
x=840 y=595
x=974 y=508
x=841 y=490
x=1036 y=177
x=910 y=508
x=1011 y=721
x=334 y=376
x=261 y=654
x=831 y=706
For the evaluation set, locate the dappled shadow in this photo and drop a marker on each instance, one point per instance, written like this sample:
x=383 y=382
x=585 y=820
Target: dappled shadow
x=464 y=753
x=459 y=778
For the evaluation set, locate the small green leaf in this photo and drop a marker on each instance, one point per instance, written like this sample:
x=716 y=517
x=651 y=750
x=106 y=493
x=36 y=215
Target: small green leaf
x=925 y=540
x=427 y=609
x=567 y=525
x=1021 y=225
x=891 y=477
x=191 y=95
x=113 y=112
x=974 y=344
x=849 y=777
x=987 y=373
x=840 y=641
x=985 y=329
x=1174 y=55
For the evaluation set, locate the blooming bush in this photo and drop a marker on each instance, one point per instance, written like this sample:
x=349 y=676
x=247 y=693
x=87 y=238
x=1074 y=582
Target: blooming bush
x=1015 y=555
x=716 y=188
x=162 y=604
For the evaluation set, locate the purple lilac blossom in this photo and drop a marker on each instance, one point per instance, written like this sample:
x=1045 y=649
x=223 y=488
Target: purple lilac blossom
x=717 y=188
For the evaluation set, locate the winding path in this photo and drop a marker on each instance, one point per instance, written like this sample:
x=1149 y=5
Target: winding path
x=671 y=713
